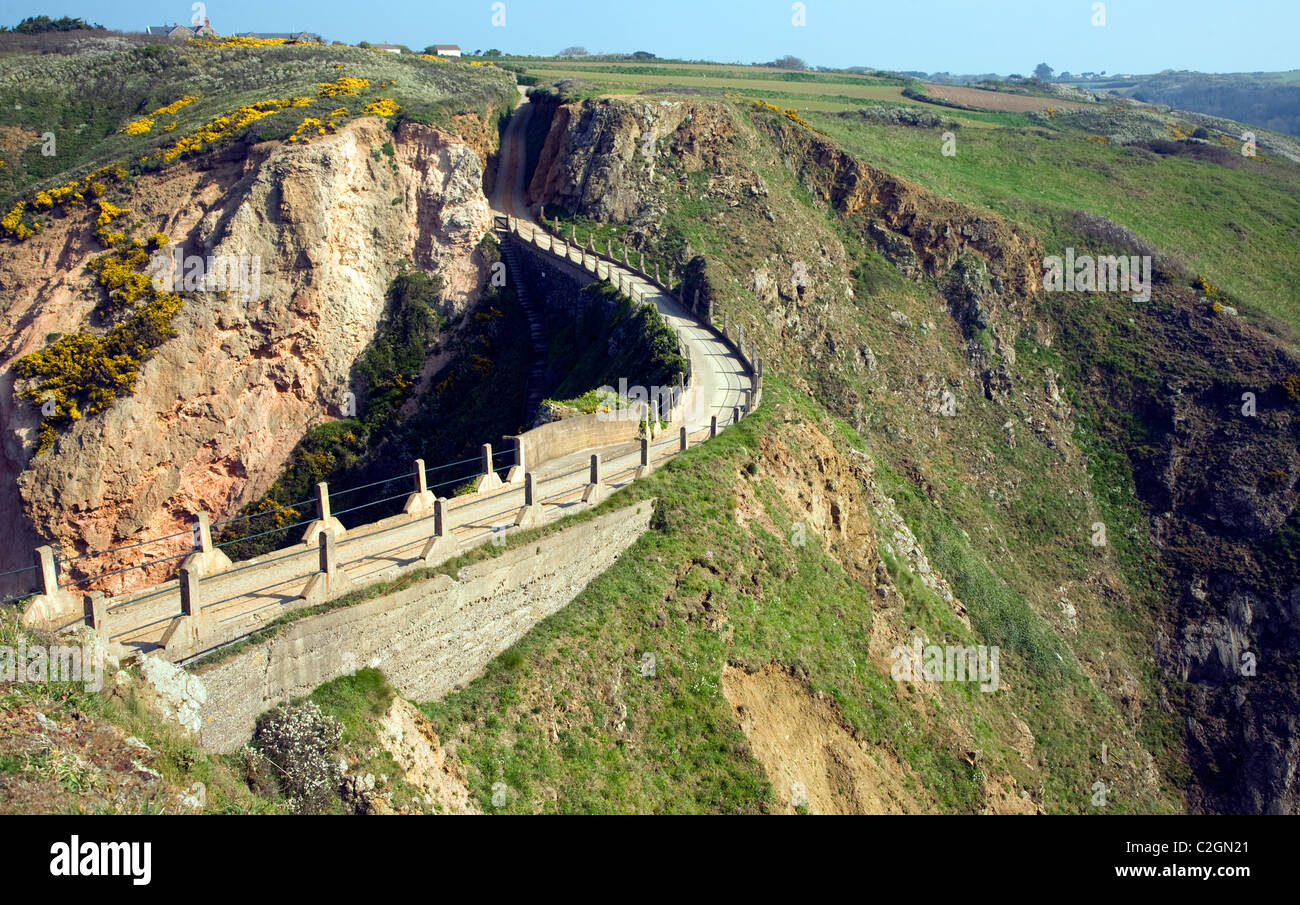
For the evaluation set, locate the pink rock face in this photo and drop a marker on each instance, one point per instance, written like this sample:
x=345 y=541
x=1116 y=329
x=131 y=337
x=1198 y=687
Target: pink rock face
x=217 y=410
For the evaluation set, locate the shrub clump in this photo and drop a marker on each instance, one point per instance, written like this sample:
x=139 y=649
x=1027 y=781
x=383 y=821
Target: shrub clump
x=302 y=743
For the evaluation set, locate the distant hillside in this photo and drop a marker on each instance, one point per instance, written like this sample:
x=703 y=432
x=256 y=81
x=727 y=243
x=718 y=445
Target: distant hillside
x=1268 y=99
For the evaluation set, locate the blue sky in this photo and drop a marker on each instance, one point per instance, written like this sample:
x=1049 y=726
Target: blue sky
x=958 y=36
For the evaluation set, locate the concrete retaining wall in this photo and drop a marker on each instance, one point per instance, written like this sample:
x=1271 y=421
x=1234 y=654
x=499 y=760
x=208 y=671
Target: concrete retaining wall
x=427 y=639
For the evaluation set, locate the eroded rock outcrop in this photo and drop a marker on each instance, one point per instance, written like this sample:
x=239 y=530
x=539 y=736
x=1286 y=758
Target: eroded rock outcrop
x=218 y=409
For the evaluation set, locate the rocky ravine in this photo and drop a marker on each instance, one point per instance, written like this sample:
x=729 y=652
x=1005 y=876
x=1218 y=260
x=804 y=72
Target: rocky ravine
x=219 y=408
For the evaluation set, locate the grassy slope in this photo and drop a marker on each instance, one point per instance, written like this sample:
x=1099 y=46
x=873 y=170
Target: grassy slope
x=86 y=99
x=715 y=583
x=1237 y=227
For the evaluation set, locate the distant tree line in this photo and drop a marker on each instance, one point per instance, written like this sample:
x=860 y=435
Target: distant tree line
x=35 y=25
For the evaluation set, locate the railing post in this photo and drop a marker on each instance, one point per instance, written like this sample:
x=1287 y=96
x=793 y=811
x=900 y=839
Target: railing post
x=596 y=491
x=443 y=543
x=726 y=325
x=518 y=470
x=489 y=479
x=323 y=501
x=530 y=489
x=735 y=414
x=749 y=395
x=49 y=570
x=207 y=559
x=325 y=520
x=713 y=426
x=329 y=555
x=203 y=531
x=682 y=446
x=645 y=453
x=191 y=603
x=657 y=272
x=99 y=613
x=421 y=478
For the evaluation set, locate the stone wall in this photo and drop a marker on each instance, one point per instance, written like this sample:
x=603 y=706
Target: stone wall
x=427 y=639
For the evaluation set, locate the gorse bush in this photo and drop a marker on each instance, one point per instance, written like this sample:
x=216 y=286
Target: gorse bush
x=80 y=374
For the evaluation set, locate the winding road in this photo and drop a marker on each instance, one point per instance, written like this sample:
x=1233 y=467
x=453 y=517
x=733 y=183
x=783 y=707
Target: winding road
x=254 y=592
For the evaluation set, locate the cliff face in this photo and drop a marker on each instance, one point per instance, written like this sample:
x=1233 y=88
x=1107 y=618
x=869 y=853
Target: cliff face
x=1218 y=491
x=216 y=412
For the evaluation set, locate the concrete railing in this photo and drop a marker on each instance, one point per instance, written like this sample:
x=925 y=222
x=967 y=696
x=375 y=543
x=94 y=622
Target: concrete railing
x=214 y=601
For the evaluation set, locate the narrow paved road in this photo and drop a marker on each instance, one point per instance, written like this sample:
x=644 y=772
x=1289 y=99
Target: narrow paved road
x=255 y=592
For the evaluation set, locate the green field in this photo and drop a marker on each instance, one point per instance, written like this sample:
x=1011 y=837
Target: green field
x=785 y=88
x=1234 y=225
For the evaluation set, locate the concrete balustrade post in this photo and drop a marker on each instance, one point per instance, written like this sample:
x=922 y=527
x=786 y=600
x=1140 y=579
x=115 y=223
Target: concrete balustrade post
x=609 y=249
x=421 y=500
x=573 y=233
x=99 y=613
x=329 y=581
x=748 y=398
x=726 y=325
x=740 y=340
x=683 y=440
x=329 y=555
x=203 y=533
x=735 y=414
x=595 y=491
x=657 y=280
x=713 y=426
x=325 y=520
x=758 y=368
x=489 y=479
x=516 y=473
x=207 y=559
x=49 y=570
x=644 y=468
x=641 y=268
x=443 y=544
x=531 y=515
x=52 y=607
x=191 y=606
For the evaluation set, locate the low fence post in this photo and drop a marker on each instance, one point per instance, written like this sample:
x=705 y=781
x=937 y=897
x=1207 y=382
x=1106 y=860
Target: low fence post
x=682 y=445
x=735 y=414
x=520 y=468
x=325 y=520
x=421 y=478
x=489 y=479
x=443 y=544
x=329 y=556
x=191 y=604
x=713 y=426
x=595 y=491
x=530 y=516
x=49 y=570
